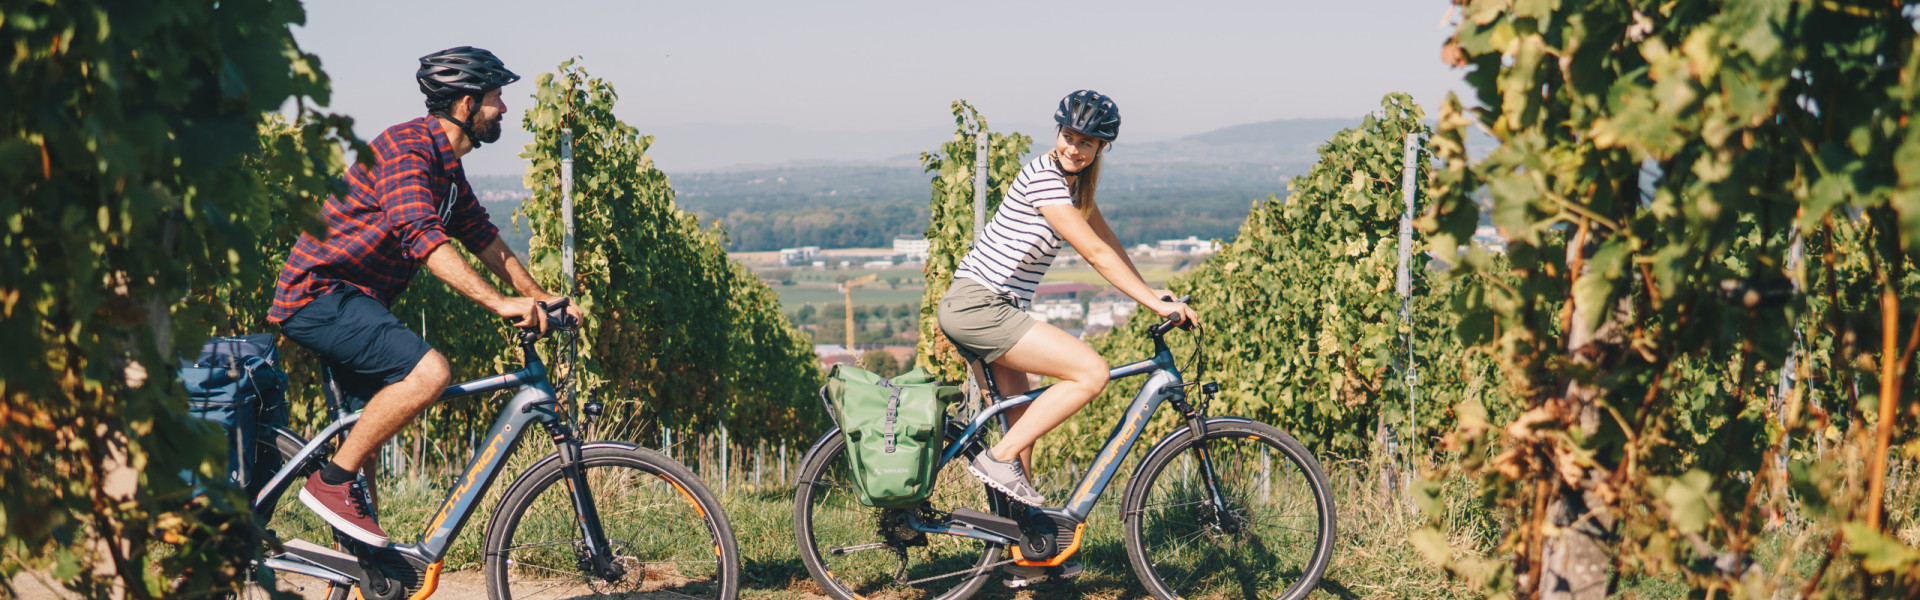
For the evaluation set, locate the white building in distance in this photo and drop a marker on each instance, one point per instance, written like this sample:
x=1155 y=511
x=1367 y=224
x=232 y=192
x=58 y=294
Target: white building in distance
x=794 y=257
x=1109 y=312
x=1191 y=245
x=912 y=247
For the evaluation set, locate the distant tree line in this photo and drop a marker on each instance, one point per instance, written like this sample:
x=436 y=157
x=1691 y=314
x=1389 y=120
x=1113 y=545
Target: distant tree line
x=1139 y=220
x=867 y=206
x=866 y=225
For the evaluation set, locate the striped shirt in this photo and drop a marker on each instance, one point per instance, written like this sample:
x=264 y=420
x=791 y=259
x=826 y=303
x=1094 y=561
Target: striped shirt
x=1017 y=246
x=413 y=198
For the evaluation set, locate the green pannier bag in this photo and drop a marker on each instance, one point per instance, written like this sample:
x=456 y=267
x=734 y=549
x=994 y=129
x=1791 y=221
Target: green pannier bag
x=893 y=431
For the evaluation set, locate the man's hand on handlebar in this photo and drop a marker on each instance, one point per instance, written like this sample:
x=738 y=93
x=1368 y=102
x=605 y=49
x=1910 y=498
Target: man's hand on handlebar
x=573 y=309
x=526 y=312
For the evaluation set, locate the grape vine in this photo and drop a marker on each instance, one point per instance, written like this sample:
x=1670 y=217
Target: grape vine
x=128 y=130
x=1656 y=166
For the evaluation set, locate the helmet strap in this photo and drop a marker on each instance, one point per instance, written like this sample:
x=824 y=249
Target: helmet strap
x=466 y=126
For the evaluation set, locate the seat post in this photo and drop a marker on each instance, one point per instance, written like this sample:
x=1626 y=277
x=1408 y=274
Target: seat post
x=331 y=389
x=992 y=389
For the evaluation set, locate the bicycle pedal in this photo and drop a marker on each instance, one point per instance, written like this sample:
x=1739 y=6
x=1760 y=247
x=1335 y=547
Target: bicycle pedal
x=1019 y=576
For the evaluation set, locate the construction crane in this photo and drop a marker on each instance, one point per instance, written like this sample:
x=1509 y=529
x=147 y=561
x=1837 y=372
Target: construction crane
x=848 y=289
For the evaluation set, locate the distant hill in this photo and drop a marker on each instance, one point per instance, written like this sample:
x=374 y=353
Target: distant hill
x=1271 y=142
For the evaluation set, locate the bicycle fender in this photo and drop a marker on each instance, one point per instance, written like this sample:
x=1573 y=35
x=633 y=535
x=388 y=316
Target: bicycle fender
x=814 y=449
x=1166 y=444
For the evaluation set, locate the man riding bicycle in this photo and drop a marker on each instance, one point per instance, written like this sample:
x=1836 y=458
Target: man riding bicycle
x=398 y=215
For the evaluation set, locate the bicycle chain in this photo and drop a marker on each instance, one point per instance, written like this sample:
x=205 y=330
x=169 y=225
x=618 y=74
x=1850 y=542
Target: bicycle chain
x=983 y=569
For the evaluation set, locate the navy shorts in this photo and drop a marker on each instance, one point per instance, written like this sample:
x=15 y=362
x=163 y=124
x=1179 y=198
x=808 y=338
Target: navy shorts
x=362 y=345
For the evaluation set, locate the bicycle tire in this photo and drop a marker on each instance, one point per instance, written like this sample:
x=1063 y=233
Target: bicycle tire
x=1278 y=540
x=827 y=515
x=668 y=531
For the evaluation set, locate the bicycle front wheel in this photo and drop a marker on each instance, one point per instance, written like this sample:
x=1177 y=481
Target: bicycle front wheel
x=667 y=534
x=856 y=551
x=1274 y=538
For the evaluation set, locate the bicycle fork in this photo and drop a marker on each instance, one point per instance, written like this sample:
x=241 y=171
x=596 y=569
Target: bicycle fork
x=1197 y=424
x=599 y=560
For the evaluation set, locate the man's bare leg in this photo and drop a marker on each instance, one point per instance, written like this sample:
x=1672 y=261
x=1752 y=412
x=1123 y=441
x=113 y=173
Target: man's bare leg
x=390 y=410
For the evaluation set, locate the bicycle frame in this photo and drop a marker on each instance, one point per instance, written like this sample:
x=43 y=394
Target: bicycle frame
x=535 y=402
x=1163 y=383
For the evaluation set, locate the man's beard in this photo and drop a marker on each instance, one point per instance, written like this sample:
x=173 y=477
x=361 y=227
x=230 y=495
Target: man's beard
x=487 y=132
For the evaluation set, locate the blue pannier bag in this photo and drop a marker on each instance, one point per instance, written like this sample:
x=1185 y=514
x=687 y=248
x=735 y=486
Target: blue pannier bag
x=236 y=382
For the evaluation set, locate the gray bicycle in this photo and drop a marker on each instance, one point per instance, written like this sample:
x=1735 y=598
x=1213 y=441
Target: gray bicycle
x=1224 y=507
x=591 y=519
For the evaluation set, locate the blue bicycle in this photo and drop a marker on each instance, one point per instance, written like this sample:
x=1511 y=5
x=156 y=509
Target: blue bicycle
x=1225 y=507
x=589 y=519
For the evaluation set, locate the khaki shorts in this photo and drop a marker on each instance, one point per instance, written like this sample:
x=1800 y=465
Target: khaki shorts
x=981 y=321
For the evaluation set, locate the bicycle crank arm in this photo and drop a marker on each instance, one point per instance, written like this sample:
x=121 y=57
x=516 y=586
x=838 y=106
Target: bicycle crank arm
x=339 y=567
x=310 y=569
x=974 y=524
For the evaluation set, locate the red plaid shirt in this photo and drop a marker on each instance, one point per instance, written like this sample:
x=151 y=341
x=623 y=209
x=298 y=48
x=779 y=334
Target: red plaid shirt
x=397 y=211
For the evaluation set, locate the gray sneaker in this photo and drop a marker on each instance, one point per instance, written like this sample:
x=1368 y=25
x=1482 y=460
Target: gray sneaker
x=1007 y=477
x=1019 y=576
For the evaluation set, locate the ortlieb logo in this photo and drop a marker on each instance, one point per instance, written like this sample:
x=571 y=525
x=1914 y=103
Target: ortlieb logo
x=893 y=471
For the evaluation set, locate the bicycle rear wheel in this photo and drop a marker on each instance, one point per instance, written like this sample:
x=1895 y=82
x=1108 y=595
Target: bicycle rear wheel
x=855 y=551
x=668 y=534
x=1273 y=540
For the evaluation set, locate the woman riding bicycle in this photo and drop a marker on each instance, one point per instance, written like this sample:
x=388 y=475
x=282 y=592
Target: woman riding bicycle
x=985 y=311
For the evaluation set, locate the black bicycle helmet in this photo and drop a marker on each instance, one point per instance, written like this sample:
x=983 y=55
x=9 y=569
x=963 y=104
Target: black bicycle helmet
x=456 y=72
x=1090 y=113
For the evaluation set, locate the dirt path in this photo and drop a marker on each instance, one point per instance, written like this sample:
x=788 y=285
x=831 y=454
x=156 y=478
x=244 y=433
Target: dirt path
x=458 y=585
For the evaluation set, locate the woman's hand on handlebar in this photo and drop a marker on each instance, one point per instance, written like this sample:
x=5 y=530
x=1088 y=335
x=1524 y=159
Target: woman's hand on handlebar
x=1167 y=306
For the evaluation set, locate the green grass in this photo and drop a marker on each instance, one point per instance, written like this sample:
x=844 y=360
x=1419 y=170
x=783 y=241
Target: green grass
x=1372 y=558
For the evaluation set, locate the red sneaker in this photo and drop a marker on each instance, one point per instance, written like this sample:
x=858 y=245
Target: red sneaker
x=346 y=508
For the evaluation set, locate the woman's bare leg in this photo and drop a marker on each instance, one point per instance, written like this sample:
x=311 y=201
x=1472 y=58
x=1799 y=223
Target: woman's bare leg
x=1013 y=382
x=1046 y=350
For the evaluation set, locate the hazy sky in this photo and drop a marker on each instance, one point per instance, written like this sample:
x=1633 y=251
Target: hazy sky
x=876 y=78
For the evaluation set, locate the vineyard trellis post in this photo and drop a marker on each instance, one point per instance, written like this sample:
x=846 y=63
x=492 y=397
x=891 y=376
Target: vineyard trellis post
x=979 y=183
x=976 y=400
x=1404 y=284
x=566 y=205
x=1795 y=255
